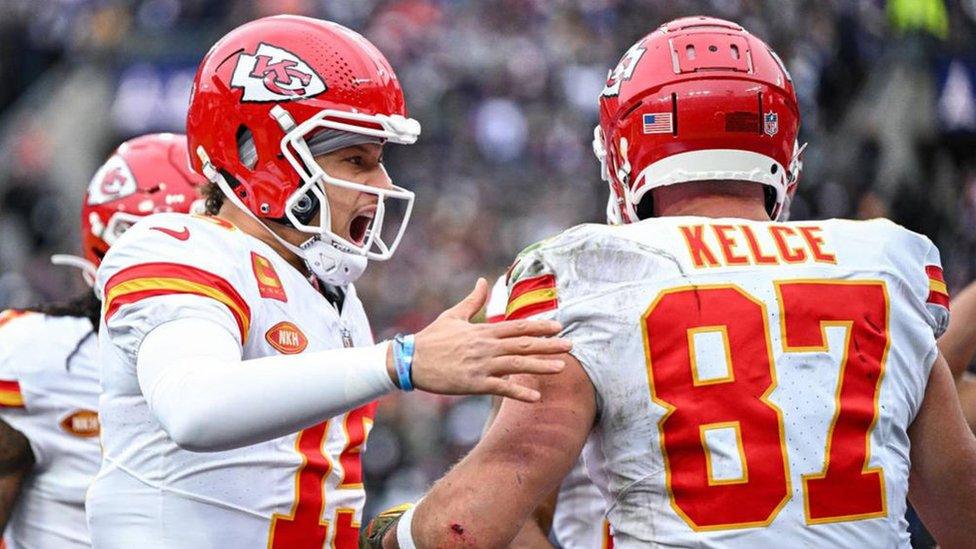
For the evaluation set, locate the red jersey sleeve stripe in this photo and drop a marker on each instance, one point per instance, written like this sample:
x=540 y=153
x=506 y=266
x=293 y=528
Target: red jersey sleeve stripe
x=155 y=279
x=530 y=284
x=938 y=298
x=531 y=309
x=10 y=395
x=9 y=315
x=934 y=272
x=532 y=296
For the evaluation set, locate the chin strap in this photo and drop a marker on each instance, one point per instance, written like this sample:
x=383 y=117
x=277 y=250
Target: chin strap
x=87 y=267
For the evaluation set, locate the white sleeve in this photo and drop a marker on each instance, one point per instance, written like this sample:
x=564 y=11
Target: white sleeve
x=497 y=301
x=208 y=399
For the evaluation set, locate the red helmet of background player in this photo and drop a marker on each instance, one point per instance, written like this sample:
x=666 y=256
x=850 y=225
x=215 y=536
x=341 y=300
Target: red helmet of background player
x=145 y=175
x=698 y=99
x=262 y=97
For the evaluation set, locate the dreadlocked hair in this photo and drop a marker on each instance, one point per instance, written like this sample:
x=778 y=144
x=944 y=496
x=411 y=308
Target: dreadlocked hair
x=84 y=306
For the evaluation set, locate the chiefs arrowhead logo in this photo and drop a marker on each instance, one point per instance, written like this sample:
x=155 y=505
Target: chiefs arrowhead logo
x=82 y=423
x=274 y=74
x=287 y=338
x=623 y=71
x=114 y=180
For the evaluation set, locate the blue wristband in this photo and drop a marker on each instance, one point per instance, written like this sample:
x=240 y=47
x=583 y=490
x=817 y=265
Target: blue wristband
x=403 y=347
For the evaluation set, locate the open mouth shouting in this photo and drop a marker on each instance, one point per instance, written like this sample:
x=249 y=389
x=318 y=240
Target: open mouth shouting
x=359 y=225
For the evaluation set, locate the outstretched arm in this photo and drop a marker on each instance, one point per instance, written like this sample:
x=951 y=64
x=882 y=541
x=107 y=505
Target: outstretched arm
x=485 y=500
x=16 y=460
x=942 y=484
x=208 y=399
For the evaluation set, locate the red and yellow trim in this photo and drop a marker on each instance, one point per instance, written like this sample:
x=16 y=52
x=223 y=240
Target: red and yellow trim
x=8 y=315
x=532 y=296
x=10 y=395
x=154 y=279
x=938 y=292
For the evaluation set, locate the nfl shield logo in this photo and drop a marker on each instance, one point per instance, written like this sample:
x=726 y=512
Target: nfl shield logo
x=771 y=123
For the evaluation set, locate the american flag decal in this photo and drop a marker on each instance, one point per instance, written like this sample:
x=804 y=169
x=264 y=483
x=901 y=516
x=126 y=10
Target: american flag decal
x=657 y=122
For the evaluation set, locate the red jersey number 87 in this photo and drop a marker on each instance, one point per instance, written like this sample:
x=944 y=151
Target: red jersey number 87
x=700 y=409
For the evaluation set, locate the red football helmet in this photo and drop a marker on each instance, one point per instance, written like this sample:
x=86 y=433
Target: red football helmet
x=697 y=99
x=145 y=175
x=264 y=95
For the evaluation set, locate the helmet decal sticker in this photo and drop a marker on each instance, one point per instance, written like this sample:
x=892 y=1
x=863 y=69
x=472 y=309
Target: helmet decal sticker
x=624 y=70
x=114 y=180
x=275 y=74
x=771 y=123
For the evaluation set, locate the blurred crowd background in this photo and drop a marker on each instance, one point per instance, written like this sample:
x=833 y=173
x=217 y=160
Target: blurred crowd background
x=506 y=91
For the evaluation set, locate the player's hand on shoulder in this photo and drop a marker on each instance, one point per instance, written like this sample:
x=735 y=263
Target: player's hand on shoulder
x=455 y=356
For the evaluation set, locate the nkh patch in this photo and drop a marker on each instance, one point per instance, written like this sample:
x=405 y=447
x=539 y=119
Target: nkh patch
x=269 y=284
x=658 y=122
x=275 y=74
x=938 y=291
x=82 y=423
x=286 y=338
x=532 y=296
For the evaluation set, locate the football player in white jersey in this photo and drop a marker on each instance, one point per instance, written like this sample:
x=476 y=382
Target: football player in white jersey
x=743 y=382
x=48 y=368
x=239 y=371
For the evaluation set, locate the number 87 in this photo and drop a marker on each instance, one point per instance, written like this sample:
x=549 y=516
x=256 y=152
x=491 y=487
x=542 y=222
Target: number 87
x=847 y=488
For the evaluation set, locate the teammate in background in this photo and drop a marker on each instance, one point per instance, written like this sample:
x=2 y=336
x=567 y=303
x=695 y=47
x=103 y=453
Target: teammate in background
x=958 y=346
x=48 y=368
x=239 y=370
x=743 y=383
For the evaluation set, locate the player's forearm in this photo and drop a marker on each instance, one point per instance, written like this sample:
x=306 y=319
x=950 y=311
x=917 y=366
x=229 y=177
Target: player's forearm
x=487 y=498
x=531 y=536
x=9 y=491
x=479 y=504
x=950 y=512
x=958 y=344
x=208 y=399
x=529 y=448
x=942 y=486
x=16 y=460
x=967 y=398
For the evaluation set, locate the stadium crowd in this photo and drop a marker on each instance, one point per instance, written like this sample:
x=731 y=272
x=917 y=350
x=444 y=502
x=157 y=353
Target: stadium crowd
x=506 y=92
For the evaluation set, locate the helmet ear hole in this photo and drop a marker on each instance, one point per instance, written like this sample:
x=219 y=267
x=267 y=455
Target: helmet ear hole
x=247 y=153
x=305 y=208
x=645 y=208
x=770 y=195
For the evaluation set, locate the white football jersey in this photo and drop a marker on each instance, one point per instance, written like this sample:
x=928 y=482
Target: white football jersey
x=754 y=381
x=49 y=392
x=579 y=521
x=304 y=490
